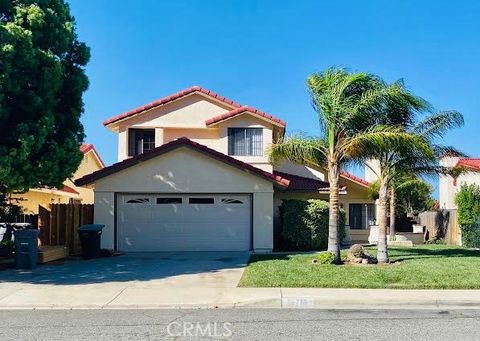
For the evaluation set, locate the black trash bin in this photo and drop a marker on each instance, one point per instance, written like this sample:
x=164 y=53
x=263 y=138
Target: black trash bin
x=26 y=248
x=90 y=239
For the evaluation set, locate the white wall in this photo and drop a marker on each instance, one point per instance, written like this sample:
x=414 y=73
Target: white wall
x=447 y=187
x=300 y=170
x=372 y=170
x=104 y=214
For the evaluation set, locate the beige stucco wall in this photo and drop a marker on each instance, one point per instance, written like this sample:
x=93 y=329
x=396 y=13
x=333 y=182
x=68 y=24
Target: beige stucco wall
x=207 y=137
x=300 y=170
x=189 y=112
x=186 y=118
x=186 y=171
x=248 y=121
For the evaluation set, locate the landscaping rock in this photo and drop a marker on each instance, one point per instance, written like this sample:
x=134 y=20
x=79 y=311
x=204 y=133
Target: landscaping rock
x=358 y=254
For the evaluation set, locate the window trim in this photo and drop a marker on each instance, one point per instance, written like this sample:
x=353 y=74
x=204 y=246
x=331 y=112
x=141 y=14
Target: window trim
x=133 y=140
x=249 y=147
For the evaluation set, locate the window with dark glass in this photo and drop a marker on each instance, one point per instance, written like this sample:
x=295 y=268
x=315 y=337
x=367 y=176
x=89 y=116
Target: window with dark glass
x=138 y=201
x=361 y=216
x=161 y=201
x=245 y=141
x=200 y=200
x=231 y=201
x=140 y=141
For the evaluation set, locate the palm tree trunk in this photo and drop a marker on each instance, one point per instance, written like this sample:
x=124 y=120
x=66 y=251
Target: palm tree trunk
x=333 y=240
x=382 y=222
x=393 y=203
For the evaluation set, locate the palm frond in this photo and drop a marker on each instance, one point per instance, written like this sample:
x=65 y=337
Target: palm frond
x=381 y=139
x=438 y=124
x=301 y=150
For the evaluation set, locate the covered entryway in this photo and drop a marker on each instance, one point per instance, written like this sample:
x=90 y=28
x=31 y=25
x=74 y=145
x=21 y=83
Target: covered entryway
x=184 y=222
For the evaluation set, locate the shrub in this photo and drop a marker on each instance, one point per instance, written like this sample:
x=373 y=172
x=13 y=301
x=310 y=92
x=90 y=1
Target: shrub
x=468 y=203
x=305 y=224
x=325 y=257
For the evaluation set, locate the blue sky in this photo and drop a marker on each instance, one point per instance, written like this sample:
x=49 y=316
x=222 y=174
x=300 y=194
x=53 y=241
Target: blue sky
x=260 y=53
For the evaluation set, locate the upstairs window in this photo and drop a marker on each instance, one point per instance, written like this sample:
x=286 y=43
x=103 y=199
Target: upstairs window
x=140 y=141
x=245 y=141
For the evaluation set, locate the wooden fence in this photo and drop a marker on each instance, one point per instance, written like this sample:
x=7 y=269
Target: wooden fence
x=442 y=224
x=58 y=224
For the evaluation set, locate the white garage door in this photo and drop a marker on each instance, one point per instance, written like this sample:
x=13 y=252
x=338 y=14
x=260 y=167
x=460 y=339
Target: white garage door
x=151 y=222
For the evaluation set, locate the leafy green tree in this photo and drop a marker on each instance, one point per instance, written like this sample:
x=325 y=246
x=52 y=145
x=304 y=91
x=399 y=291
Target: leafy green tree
x=468 y=203
x=411 y=196
x=42 y=80
x=346 y=104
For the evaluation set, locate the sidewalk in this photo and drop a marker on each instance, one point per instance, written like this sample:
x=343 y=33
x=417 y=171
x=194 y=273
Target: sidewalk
x=141 y=295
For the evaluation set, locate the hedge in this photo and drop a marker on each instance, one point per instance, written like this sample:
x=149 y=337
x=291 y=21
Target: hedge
x=305 y=224
x=468 y=203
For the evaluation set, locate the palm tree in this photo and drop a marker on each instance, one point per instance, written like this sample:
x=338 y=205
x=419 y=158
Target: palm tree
x=346 y=104
x=402 y=109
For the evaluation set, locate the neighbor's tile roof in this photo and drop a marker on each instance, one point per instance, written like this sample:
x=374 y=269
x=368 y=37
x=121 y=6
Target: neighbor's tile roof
x=86 y=147
x=241 y=110
x=171 y=98
x=68 y=189
x=355 y=179
x=90 y=178
x=472 y=163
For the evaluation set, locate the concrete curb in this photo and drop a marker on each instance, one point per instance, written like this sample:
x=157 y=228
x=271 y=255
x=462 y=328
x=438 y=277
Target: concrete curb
x=210 y=298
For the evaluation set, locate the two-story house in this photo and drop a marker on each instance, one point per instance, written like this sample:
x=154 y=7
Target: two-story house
x=193 y=174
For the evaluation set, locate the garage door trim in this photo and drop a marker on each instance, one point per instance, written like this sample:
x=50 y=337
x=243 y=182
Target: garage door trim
x=118 y=195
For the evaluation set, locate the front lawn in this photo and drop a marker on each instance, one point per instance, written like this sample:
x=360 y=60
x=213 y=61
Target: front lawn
x=419 y=267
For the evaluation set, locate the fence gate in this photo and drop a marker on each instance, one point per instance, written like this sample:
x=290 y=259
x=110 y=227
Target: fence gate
x=442 y=224
x=58 y=224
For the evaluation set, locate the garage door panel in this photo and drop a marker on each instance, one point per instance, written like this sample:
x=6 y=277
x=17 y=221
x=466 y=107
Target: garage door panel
x=152 y=223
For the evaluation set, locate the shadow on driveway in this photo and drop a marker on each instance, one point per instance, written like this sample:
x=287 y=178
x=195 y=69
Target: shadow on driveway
x=134 y=267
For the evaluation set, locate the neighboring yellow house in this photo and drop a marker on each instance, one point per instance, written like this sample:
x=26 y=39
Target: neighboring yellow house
x=69 y=193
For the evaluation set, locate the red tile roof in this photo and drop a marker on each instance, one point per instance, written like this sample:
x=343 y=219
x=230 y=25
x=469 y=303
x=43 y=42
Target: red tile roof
x=86 y=147
x=303 y=184
x=171 y=98
x=68 y=189
x=354 y=178
x=241 y=110
x=182 y=142
x=472 y=163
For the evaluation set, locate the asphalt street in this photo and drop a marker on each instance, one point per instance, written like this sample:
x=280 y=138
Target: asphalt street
x=239 y=324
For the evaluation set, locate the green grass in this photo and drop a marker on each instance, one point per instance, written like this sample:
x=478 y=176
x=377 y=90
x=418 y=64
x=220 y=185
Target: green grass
x=419 y=267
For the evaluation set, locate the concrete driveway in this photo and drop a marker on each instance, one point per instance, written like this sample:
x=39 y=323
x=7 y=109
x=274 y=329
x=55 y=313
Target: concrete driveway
x=193 y=279
x=180 y=269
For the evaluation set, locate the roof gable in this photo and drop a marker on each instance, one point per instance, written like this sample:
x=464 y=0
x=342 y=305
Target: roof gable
x=168 y=99
x=245 y=110
x=88 y=147
x=471 y=163
x=182 y=142
x=232 y=108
